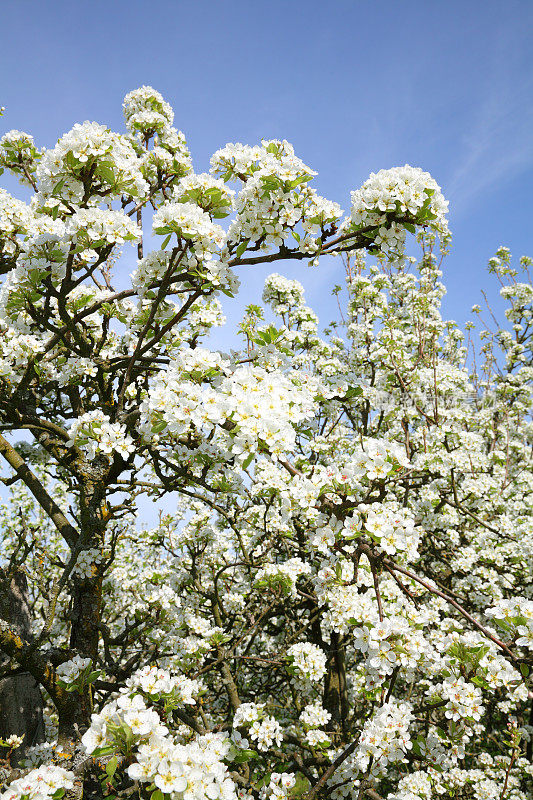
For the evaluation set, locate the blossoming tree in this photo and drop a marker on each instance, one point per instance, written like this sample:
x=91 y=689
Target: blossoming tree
x=335 y=601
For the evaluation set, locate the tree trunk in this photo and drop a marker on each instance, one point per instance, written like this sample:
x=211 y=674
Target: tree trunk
x=335 y=689
x=21 y=702
x=85 y=605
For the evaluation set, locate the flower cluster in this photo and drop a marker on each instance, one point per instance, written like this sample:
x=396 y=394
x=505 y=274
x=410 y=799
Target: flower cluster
x=12 y=741
x=415 y=786
x=92 y=228
x=515 y=615
x=279 y=786
x=117 y=717
x=464 y=699
x=375 y=460
x=87 y=562
x=157 y=682
x=169 y=156
x=69 y=671
x=188 y=221
x=393 y=197
x=88 y=155
x=256 y=408
x=262 y=728
x=190 y=771
x=308 y=660
x=40 y=783
x=15 y=349
x=385 y=737
x=19 y=154
x=247 y=713
x=275 y=197
x=312 y=718
x=150 y=269
x=393 y=529
x=94 y=433
x=181 y=770
x=146 y=112
x=378 y=642
x=16 y=144
x=210 y=194
x=266 y=732
x=15 y=217
x=314 y=715
x=283 y=576
x=236 y=161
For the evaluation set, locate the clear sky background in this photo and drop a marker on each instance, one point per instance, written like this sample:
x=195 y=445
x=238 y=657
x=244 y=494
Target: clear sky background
x=355 y=85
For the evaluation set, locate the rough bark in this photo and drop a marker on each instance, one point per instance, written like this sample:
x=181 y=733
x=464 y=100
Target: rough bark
x=335 y=689
x=21 y=702
x=85 y=603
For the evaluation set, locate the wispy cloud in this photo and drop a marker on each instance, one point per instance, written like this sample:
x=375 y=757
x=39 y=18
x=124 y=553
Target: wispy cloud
x=499 y=144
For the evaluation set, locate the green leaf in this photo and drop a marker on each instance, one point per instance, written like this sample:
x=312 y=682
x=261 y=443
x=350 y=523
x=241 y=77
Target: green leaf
x=410 y=227
x=157 y=795
x=248 y=460
x=301 y=786
x=107 y=173
x=297 y=181
x=272 y=333
x=416 y=749
x=111 y=766
x=524 y=669
x=241 y=248
x=106 y=750
x=264 y=781
x=167 y=240
x=353 y=391
x=306 y=432
x=244 y=756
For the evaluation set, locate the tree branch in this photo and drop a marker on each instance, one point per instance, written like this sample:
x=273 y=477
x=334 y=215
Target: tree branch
x=47 y=503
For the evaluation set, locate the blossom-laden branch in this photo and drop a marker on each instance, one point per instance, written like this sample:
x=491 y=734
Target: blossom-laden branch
x=333 y=599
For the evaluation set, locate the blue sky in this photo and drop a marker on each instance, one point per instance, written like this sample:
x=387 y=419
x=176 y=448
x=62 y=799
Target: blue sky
x=354 y=85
